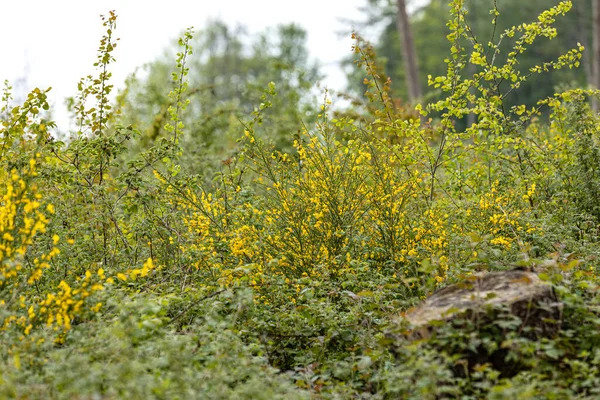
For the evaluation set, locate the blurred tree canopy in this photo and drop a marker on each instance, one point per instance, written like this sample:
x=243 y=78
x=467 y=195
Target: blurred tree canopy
x=430 y=30
x=228 y=72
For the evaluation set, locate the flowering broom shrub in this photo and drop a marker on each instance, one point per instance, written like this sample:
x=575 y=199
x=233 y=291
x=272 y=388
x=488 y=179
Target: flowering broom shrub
x=32 y=298
x=389 y=193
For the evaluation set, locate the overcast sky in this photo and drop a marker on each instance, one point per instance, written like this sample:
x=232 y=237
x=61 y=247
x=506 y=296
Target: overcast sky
x=54 y=42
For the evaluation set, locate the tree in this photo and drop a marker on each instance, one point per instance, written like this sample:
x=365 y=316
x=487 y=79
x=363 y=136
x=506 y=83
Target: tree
x=409 y=54
x=596 y=50
x=228 y=72
x=428 y=25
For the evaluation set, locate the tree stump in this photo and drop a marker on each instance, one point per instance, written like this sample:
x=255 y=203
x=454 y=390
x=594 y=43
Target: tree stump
x=481 y=300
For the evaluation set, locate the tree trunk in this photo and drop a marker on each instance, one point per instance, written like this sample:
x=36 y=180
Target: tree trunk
x=408 y=52
x=595 y=51
x=583 y=28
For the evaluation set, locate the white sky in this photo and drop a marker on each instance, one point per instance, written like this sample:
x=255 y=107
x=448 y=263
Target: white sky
x=54 y=42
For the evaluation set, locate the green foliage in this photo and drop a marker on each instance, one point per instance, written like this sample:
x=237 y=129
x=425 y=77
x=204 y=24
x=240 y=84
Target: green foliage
x=227 y=75
x=134 y=354
x=278 y=265
x=429 y=30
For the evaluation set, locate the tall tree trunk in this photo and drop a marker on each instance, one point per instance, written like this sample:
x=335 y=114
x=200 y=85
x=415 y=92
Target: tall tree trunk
x=471 y=117
x=408 y=52
x=583 y=26
x=595 y=50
